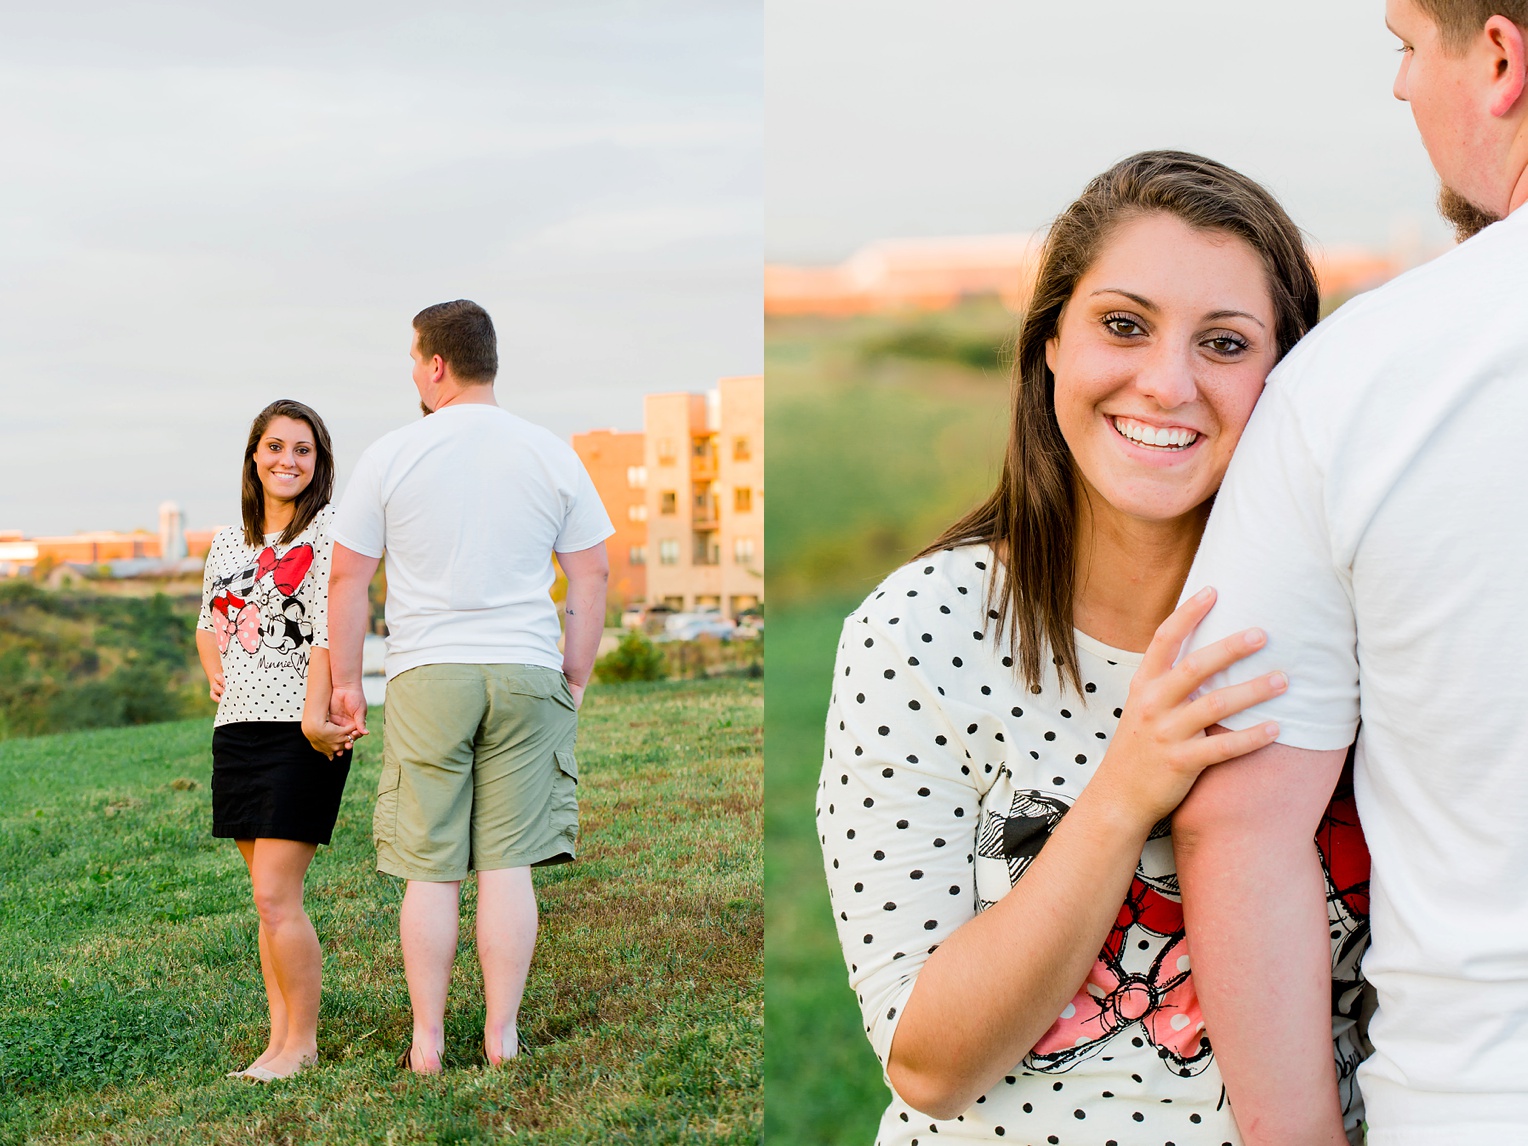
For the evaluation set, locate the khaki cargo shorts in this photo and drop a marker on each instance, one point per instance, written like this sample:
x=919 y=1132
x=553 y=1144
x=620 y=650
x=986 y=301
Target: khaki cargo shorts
x=478 y=771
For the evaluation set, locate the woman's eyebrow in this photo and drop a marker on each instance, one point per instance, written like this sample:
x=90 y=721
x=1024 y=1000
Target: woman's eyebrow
x=1146 y=303
x=1214 y=314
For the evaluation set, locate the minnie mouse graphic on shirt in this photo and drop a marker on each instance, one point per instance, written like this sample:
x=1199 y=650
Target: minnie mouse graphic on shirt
x=258 y=605
x=1141 y=983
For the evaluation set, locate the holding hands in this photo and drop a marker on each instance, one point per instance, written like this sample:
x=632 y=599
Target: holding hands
x=336 y=730
x=1161 y=746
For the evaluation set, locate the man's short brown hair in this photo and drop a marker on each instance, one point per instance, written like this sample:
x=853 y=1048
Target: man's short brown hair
x=1460 y=21
x=462 y=334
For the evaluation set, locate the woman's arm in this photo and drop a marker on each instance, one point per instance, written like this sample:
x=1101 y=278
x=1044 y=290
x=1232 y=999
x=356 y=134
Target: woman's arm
x=212 y=662
x=327 y=737
x=984 y=996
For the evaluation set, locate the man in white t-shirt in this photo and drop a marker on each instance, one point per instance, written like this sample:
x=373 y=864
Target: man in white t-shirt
x=479 y=772
x=1374 y=522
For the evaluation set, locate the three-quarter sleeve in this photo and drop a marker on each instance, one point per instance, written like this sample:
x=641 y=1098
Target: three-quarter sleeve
x=897 y=812
x=317 y=584
x=209 y=570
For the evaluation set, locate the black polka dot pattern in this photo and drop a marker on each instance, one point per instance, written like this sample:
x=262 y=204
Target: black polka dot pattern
x=963 y=776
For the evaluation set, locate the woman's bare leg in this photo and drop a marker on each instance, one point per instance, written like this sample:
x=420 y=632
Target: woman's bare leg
x=277 y=870
x=274 y=1001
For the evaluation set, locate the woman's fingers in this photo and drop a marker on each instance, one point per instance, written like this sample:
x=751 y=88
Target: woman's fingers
x=1200 y=665
x=1214 y=707
x=1223 y=746
x=1172 y=632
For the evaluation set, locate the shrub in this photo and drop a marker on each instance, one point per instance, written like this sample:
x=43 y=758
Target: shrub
x=635 y=658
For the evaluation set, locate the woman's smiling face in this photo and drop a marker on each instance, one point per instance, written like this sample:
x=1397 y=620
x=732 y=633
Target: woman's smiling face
x=284 y=458
x=1159 y=357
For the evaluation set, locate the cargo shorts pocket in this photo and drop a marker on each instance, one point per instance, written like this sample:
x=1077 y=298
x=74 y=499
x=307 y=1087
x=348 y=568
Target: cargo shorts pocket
x=562 y=808
x=384 y=820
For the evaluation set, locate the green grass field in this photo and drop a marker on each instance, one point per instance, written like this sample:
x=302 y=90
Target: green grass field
x=881 y=431
x=129 y=967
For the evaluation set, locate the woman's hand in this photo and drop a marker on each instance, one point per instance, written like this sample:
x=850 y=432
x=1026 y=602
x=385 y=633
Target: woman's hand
x=1160 y=746
x=329 y=738
x=215 y=687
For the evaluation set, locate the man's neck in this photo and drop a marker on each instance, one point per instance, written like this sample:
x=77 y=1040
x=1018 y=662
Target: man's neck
x=475 y=394
x=1519 y=192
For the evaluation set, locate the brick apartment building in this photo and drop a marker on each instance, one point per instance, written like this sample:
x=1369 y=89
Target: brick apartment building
x=689 y=508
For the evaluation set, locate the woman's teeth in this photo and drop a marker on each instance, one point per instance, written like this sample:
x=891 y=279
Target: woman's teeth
x=1175 y=438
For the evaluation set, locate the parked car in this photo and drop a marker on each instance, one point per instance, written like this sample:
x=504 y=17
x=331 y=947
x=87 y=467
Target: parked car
x=689 y=626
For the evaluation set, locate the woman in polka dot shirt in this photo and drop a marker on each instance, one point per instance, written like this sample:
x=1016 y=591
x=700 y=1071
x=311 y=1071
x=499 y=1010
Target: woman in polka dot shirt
x=263 y=641
x=1013 y=689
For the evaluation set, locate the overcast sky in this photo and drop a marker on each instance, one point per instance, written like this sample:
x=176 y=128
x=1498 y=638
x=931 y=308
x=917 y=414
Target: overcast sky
x=907 y=117
x=210 y=205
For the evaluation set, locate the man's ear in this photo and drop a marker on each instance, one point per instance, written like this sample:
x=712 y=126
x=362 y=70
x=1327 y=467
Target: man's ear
x=437 y=368
x=1510 y=63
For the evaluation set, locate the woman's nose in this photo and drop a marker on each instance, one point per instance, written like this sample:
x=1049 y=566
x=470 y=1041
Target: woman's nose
x=1166 y=376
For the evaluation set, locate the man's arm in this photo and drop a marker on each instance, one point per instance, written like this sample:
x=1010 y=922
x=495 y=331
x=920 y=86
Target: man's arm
x=350 y=576
x=588 y=573
x=1254 y=903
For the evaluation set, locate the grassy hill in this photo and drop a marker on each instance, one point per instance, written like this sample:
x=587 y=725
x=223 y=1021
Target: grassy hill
x=77 y=660
x=128 y=957
x=882 y=430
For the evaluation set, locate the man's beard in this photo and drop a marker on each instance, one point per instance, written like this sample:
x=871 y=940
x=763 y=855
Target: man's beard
x=1466 y=218
x=425 y=410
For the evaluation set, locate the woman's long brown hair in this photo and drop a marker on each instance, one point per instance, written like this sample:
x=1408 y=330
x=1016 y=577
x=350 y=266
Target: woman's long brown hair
x=319 y=491
x=1031 y=517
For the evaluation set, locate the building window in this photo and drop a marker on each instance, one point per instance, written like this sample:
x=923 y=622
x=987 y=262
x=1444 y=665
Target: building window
x=740 y=451
x=665 y=451
x=668 y=502
x=668 y=552
x=639 y=555
x=742 y=550
x=742 y=499
x=636 y=477
x=636 y=513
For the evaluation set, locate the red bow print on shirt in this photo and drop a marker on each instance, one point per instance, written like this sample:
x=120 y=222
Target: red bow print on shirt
x=233 y=618
x=1160 y=998
x=287 y=571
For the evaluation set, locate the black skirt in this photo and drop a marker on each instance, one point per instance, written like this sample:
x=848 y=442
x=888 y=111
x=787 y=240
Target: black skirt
x=268 y=782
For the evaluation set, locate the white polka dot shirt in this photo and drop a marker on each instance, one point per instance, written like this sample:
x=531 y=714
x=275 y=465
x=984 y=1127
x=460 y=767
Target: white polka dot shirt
x=942 y=778
x=268 y=607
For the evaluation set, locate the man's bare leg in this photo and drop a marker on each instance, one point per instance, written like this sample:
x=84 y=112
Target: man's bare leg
x=506 y=937
x=427 y=926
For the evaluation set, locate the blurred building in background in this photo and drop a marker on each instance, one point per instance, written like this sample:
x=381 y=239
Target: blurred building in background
x=109 y=555
x=616 y=462
x=686 y=496
x=935 y=274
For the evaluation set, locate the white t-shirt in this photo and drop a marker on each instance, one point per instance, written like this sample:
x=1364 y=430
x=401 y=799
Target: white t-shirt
x=1375 y=522
x=943 y=777
x=470 y=504
x=268 y=607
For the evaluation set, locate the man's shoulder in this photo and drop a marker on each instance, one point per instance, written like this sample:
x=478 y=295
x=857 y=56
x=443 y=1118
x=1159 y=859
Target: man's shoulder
x=1406 y=324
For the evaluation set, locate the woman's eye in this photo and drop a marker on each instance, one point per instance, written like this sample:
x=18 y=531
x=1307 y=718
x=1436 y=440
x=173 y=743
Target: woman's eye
x=1118 y=324
x=1226 y=344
